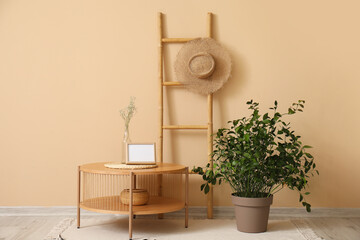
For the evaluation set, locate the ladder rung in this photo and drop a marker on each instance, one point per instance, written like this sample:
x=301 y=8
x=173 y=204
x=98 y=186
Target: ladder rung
x=176 y=40
x=172 y=84
x=185 y=127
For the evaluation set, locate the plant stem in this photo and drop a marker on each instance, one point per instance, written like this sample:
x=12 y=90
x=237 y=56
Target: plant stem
x=272 y=191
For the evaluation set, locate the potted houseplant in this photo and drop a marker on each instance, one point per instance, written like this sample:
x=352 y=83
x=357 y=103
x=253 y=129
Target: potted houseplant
x=258 y=156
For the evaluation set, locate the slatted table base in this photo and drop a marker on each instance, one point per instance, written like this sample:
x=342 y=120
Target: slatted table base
x=99 y=190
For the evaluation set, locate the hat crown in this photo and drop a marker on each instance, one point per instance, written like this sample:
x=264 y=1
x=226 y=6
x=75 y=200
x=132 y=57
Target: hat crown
x=201 y=65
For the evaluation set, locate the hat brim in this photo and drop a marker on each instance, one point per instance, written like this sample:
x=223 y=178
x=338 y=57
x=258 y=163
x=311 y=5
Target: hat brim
x=218 y=78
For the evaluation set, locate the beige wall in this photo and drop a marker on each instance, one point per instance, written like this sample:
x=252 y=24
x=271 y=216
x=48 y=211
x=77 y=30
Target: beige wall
x=66 y=67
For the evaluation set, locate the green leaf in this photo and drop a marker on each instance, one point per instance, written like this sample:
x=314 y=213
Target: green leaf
x=307 y=193
x=247 y=155
x=207 y=188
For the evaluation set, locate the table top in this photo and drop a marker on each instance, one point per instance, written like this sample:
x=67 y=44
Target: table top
x=161 y=168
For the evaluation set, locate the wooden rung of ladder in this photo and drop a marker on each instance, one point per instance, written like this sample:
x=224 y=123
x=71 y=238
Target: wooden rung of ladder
x=176 y=40
x=186 y=127
x=172 y=84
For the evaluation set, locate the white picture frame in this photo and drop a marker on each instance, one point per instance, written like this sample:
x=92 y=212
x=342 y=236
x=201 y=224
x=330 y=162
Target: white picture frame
x=140 y=154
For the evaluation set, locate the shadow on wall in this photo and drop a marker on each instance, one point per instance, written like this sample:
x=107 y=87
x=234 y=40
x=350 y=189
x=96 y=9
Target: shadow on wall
x=232 y=87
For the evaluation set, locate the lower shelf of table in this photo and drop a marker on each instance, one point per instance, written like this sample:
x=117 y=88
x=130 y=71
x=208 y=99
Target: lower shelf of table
x=112 y=204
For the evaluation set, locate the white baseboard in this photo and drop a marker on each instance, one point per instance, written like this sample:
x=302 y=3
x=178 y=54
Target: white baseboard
x=194 y=212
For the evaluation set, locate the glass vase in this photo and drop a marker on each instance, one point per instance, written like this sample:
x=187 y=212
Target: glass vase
x=126 y=140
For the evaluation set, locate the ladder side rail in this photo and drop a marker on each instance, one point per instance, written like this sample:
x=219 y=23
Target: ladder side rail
x=210 y=198
x=161 y=91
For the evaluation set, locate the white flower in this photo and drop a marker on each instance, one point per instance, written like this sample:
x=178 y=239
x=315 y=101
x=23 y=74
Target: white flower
x=128 y=112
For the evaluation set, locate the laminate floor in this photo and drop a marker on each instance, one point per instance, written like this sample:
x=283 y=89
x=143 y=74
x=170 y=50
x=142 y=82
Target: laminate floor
x=36 y=227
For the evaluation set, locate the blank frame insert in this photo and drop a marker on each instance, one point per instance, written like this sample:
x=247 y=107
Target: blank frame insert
x=140 y=153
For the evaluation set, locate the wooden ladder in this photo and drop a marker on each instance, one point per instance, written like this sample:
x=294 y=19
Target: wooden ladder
x=209 y=126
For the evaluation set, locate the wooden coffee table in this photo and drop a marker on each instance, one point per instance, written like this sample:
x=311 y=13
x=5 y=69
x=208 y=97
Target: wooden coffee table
x=99 y=190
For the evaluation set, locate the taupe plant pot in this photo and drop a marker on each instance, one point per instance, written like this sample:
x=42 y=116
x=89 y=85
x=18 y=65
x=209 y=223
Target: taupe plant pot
x=252 y=214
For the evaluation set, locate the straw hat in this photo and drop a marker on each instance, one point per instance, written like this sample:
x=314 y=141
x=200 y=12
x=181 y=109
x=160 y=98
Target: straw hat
x=202 y=65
